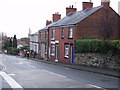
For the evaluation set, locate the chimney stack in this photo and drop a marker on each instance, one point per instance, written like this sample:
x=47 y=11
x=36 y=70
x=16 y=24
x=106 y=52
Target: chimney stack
x=70 y=9
x=105 y=3
x=87 y=5
x=56 y=16
x=48 y=22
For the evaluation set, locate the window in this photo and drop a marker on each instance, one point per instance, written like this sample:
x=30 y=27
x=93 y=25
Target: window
x=52 y=49
x=62 y=33
x=45 y=35
x=66 y=50
x=70 y=32
x=53 y=34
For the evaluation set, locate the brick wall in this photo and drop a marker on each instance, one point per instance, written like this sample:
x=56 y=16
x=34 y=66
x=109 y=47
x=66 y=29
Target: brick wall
x=96 y=26
x=62 y=41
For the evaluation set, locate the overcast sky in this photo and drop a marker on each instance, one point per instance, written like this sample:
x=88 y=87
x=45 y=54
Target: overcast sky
x=17 y=16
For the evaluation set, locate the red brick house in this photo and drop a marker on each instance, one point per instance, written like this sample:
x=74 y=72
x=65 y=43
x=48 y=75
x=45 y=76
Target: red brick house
x=99 y=22
x=43 y=36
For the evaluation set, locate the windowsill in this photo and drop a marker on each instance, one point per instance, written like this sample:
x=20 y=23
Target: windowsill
x=52 y=54
x=45 y=53
x=66 y=57
x=62 y=37
x=52 y=39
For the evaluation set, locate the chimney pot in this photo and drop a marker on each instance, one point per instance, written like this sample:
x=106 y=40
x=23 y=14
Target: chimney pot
x=70 y=9
x=72 y=6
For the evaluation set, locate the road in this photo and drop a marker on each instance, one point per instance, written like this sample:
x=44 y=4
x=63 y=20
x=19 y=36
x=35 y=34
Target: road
x=20 y=72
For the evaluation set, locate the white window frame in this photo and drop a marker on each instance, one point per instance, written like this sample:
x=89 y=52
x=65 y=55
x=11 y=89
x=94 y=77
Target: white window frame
x=66 y=51
x=62 y=33
x=70 y=32
x=53 y=34
x=52 y=49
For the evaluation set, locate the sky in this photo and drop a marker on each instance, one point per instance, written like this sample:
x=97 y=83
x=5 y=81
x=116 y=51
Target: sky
x=17 y=16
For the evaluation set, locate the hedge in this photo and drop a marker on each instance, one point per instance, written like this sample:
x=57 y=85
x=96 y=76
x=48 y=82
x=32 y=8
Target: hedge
x=96 y=45
x=12 y=51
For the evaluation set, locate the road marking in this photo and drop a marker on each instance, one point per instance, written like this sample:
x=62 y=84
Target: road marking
x=96 y=86
x=32 y=66
x=11 y=74
x=3 y=67
x=10 y=80
x=54 y=73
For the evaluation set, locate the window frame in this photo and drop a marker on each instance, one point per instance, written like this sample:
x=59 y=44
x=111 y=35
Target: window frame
x=66 y=49
x=52 y=49
x=62 y=34
x=53 y=34
x=70 y=35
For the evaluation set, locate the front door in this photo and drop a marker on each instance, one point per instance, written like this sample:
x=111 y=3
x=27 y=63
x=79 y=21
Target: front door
x=57 y=52
x=72 y=54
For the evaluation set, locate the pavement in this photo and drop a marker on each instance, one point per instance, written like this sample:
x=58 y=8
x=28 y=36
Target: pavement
x=92 y=69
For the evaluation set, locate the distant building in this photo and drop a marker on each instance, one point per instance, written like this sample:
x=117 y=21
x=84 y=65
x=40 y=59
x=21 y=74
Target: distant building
x=34 y=42
x=22 y=44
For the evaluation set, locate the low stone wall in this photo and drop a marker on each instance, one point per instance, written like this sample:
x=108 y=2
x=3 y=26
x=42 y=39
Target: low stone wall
x=99 y=60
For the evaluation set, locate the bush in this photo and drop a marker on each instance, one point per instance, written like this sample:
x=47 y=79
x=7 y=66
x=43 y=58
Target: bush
x=12 y=51
x=96 y=45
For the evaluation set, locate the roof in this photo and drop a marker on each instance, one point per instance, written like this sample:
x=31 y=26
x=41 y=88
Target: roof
x=46 y=27
x=19 y=42
x=36 y=33
x=73 y=18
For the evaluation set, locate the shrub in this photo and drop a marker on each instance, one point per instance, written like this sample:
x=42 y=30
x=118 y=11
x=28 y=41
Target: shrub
x=96 y=45
x=12 y=51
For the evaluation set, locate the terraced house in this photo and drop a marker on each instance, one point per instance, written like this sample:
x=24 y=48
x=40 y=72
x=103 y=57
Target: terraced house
x=92 y=22
x=44 y=38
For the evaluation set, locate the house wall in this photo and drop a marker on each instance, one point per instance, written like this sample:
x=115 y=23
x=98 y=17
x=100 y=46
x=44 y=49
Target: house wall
x=43 y=44
x=34 y=42
x=97 y=26
x=61 y=44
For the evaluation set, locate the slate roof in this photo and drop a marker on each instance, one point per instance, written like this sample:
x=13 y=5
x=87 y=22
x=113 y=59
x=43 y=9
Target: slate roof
x=73 y=18
x=46 y=27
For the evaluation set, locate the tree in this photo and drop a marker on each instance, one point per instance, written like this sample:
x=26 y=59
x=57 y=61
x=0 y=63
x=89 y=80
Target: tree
x=10 y=42
x=14 y=42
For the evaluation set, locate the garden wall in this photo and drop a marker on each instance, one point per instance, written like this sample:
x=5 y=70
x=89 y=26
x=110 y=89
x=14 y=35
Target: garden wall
x=99 y=60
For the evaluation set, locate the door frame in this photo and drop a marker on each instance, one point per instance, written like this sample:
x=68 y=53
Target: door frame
x=72 y=54
x=57 y=52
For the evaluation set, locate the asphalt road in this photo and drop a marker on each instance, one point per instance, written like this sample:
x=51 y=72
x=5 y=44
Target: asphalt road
x=20 y=72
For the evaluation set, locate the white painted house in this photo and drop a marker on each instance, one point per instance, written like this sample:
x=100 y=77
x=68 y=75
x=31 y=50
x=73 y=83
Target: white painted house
x=34 y=42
